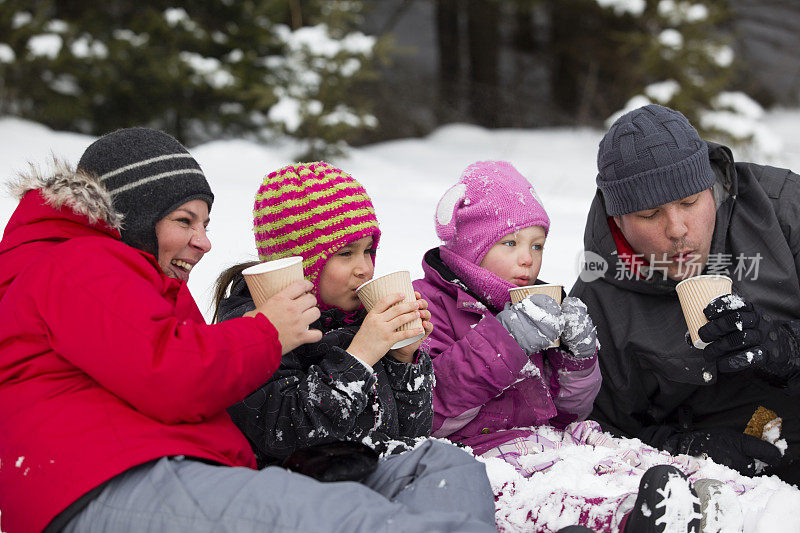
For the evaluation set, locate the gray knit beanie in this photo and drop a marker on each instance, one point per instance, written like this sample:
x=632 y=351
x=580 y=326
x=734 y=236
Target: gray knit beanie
x=149 y=174
x=649 y=157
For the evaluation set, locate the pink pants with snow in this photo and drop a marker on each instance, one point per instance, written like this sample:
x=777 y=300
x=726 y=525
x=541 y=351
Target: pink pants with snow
x=521 y=503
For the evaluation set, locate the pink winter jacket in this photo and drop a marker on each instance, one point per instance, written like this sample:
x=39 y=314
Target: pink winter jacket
x=485 y=382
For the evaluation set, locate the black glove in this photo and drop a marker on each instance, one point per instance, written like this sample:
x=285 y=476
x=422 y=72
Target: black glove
x=334 y=461
x=742 y=336
x=726 y=447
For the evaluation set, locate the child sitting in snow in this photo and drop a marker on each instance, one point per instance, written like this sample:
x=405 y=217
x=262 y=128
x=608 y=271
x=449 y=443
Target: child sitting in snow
x=497 y=377
x=349 y=385
x=493 y=367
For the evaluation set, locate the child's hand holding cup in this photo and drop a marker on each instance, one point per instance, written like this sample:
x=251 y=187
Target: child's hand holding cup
x=380 y=297
x=553 y=291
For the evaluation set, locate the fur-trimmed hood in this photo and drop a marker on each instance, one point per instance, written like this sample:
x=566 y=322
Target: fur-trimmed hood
x=76 y=189
x=53 y=209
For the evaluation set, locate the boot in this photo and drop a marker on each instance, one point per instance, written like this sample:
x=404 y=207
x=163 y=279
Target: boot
x=719 y=506
x=666 y=503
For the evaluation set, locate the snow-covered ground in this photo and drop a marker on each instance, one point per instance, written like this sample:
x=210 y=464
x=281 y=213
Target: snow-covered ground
x=405 y=179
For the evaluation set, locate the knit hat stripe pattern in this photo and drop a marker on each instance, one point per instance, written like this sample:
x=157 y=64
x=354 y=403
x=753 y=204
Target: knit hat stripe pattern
x=156 y=177
x=149 y=174
x=332 y=229
x=319 y=183
x=649 y=157
x=311 y=210
x=142 y=163
x=296 y=203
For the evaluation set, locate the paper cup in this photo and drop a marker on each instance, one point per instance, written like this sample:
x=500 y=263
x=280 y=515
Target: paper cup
x=377 y=288
x=694 y=294
x=520 y=293
x=553 y=291
x=267 y=279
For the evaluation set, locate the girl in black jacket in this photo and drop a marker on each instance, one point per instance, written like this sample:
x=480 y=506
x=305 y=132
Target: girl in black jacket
x=350 y=385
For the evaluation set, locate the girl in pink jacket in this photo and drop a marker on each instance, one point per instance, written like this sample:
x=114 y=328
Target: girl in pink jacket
x=498 y=378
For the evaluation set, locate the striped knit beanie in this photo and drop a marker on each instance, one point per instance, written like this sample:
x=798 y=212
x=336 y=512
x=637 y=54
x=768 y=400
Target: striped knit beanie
x=311 y=210
x=149 y=174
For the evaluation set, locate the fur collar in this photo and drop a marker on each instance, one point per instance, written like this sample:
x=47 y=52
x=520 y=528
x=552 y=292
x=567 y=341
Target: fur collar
x=76 y=189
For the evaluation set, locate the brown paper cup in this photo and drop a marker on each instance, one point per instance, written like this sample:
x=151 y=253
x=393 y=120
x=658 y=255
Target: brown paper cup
x=519 y=293
x=267 y=279
x=694 y=294
x=553 y=291
x=372 y=291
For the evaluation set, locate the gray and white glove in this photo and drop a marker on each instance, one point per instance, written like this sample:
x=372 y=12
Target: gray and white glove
x=579 y=332
x=535 y=322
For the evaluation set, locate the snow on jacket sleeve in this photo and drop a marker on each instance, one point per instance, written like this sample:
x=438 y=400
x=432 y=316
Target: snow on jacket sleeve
x=412 y=385
x=316 y=396
x=141 y=336
x=575 y=383
x=470 y=370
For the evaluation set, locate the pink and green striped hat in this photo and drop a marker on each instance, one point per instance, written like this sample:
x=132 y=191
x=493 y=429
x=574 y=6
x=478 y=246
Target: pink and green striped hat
x=311 y=210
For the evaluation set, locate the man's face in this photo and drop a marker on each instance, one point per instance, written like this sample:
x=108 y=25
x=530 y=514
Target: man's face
x=674 y=237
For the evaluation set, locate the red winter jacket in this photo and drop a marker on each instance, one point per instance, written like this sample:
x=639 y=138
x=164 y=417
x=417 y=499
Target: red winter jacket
x=105 y=362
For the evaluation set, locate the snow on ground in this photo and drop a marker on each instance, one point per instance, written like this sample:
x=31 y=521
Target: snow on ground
x=763 y=504
x=405 y=179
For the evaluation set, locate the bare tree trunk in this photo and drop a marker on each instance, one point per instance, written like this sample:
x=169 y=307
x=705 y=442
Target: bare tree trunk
x=484 y=55
x=449 y=43
x=296 y=13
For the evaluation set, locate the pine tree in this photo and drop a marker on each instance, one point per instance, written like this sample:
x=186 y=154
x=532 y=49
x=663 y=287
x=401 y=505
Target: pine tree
x=685 y=61
x=209 y=69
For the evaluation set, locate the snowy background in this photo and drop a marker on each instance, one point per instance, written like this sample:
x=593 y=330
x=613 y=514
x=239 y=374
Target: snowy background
x=405 y=179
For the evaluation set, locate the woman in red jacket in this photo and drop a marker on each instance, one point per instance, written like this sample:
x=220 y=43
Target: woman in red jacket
x=113 y=389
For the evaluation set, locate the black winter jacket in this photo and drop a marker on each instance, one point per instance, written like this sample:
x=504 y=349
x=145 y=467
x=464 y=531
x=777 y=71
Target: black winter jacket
x=654 y=383
x=322 y=394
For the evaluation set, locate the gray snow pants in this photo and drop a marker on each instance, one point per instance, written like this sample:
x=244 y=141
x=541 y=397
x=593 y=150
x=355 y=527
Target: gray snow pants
x=435 y=487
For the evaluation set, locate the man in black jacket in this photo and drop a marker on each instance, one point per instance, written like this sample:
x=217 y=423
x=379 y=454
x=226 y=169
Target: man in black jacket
x=669 y=206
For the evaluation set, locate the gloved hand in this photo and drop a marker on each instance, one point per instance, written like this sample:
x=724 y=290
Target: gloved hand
x=743 y=336
x=579 y=332
x=725 y=446
x=535 y=322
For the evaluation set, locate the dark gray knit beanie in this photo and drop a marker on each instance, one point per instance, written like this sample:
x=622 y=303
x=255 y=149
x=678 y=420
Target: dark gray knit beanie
x=649 y=157
x=149 y=174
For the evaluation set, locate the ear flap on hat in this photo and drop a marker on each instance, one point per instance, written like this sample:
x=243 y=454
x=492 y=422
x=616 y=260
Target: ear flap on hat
x=445 y=211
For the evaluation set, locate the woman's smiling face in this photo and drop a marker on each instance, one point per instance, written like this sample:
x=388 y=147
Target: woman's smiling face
x=182 y=239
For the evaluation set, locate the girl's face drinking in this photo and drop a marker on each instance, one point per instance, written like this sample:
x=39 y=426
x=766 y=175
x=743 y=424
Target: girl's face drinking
x=347 y=269
x=517 y=257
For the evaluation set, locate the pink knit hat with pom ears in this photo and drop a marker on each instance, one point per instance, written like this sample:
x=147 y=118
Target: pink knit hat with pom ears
x=492 y=199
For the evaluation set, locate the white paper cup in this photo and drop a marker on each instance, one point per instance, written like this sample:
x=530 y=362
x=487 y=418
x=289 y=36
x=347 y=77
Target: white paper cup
x=549 y=289
x=694 y=294
x=267 y=279
x=375 y=289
